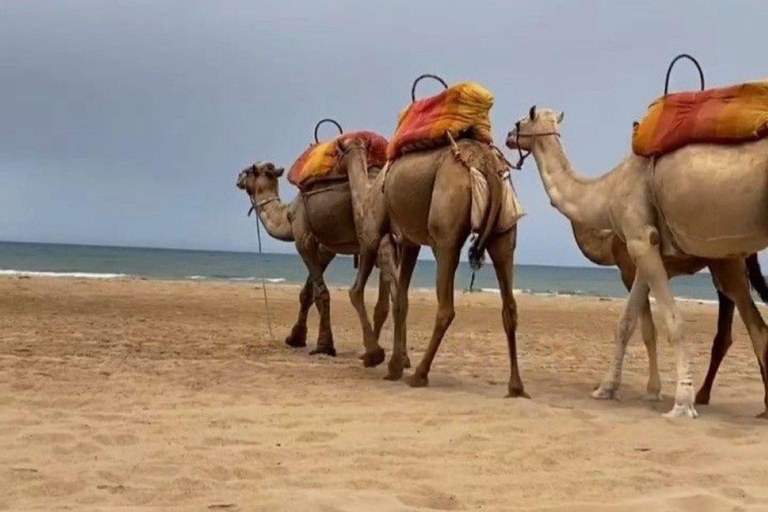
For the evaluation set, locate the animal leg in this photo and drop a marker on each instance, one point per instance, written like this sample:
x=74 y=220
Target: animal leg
x=653 y=388
x=648 y=329
x=447 y=257
x=501 y=249
x=388 y=277
x=650 y=268
x=638 y=295
x=720 y=345
x=309 y=250
x=298 y=336
x=400 y=312
x=374 y=354
x=732 y=277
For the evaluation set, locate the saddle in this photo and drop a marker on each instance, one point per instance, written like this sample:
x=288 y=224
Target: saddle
x=728 y=115
x=462 y=110
x=319 y=163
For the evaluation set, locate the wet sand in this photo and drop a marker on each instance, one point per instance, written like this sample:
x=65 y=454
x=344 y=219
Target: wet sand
x=130 y=394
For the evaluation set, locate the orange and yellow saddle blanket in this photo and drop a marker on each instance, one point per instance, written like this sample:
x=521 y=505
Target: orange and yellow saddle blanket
x=320 y=161
x=461 y=110
x=727 y=115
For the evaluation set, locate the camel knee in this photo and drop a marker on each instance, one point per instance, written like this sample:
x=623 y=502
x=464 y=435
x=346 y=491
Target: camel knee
x=305 y=296
x=357 y=295
x=509 y=314
x=321 y=295
x=445 y=316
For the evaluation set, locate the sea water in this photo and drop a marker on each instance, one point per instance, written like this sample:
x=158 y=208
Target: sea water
x=99 y=262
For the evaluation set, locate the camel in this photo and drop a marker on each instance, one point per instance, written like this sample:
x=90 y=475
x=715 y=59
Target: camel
x=321 y=225
x=424 y=199
x=655 y=207
x=607 y=249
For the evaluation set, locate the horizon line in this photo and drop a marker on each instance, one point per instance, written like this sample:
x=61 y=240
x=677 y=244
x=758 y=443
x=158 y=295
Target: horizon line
x=294 y=253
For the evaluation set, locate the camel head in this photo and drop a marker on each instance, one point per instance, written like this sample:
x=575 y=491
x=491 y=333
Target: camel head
x=352 y=150
x=539 y=122
x=260 y=179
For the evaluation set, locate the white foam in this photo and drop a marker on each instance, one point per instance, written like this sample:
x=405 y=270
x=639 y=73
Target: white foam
x=79 y=275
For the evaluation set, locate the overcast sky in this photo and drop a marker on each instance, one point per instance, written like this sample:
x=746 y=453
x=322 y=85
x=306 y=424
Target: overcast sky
x=126 y=122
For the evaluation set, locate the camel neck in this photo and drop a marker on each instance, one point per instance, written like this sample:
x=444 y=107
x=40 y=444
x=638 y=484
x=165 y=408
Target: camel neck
x=582 y=200
x=359 y=184
x=274 y=216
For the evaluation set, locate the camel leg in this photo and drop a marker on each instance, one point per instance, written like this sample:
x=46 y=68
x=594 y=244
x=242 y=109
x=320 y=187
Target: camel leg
x=650 y=268
x=720 y=345
x=309 y=250
x=387 y=291
x=501 y=249
x=298 y=336
x=399 y=352
x=374 y=354
x=381 y=311
x=447 y=256
x=732 y=277
x=647 y=327
x=638 y=295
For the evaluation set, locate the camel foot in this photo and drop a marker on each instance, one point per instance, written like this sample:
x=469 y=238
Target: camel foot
x=375 y=358
x=394 y=373
x=297 y=338
x=517 y=393
x=762 y=415
x=417 y=381
x=653 y=397
x=605 y=393
x=682 y=411
x=702 y=397
x=328 y=351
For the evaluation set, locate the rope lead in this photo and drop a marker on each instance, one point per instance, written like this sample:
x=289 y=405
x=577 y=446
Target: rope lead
x=263 y=279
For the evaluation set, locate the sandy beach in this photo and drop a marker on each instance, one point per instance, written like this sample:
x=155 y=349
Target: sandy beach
x=131 y=394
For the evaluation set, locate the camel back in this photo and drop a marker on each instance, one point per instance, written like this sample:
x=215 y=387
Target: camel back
x=728 y=115
x=462 y=110
x=320 y=162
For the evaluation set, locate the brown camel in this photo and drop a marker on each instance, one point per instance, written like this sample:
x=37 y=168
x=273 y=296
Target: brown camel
x=321 y=225
x=656 y=207
x=424 y=198
x=607 y=249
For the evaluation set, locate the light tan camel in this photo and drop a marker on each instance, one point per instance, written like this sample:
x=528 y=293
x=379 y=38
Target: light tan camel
x=424 y=199
x=607 y=249
x=322 y=226
x=702 y=200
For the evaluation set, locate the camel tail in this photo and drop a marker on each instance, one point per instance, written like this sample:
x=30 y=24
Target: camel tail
x=756 y=278
x=477 y=249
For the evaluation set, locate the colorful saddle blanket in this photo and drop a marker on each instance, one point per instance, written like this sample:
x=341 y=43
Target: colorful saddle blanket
x=726 y=115
x=320 y=161
x=462 y=110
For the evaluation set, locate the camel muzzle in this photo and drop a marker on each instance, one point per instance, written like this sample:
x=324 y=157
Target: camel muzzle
x=241 y=180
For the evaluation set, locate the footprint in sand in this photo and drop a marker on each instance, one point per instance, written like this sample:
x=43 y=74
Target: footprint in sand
x=316 y=436
x=116 y=439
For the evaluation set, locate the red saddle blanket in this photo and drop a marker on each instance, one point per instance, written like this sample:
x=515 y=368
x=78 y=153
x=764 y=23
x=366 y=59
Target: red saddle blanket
x=726 y=115
x=320 y=161
x=462 y=110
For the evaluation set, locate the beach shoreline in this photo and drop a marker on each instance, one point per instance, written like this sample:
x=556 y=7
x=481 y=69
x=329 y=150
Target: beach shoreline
x=170 y=394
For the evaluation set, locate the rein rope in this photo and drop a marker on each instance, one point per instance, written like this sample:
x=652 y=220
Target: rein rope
x=255 y=207
x=522 y=156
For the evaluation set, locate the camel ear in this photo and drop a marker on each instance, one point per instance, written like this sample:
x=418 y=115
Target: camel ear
x=279 y=171
x=532 y=113
x=560 y=117
x=341 y=145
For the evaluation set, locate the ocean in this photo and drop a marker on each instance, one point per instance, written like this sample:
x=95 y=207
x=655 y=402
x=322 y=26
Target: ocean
x=99 y=262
